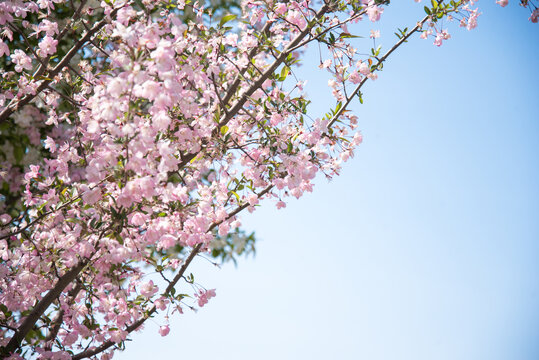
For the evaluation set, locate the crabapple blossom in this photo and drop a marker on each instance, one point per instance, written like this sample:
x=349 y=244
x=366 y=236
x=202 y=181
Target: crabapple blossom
x=164 y=330
x=204 y=295
x=4 y=48
x=134 y=134
x=47 y=46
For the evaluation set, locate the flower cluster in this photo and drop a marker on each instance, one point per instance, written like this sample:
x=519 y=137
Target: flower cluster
x=134 y=133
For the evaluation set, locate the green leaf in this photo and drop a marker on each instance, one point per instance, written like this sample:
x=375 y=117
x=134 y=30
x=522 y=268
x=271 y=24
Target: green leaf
x=226 y=19
x=348 y=35
x=284 y=73
x=236 y=195
x=360 y=96
x=427 y=10
x=224 y=130
x=339 y=106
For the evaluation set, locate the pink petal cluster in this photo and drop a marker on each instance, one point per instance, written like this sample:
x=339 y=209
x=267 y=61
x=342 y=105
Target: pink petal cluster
x=204 y=295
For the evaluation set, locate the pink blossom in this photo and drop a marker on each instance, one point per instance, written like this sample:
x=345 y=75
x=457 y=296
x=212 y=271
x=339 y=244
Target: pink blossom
x=21 y=60
x=296 y=18
x=502 y=3
x=375 y=34
x=116 y=87
x=325 y=64
x=374 y=12
x=90 y=197
x=252 y=199
x=4 y=48
x=138 y=219
x=148 y=289
x=280 y=8
x=118 y=335
x=364 y=68
x=49 y=27
x=472 y=20
x=204 y=296
x=167 y=241
x=33 y=173
x=4 y=250
x=164 y=330
x=355 y=77
x=50 y=144
x=47 y=46
x=224 y=228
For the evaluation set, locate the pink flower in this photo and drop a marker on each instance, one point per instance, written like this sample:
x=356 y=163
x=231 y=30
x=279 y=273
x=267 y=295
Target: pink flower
x=502 y=3
x=21 y=60
x=161 y=303
x=4 y=49
x=374 y=12
x=116 y=87
x=90 y=197
x=280 y=8
x=375 y=34
x=224 y=228
x=167 y=241
x=164 y=330
x=252 y=199
x=49 y=27
x=148 y=289
x=364 y=68
x=438 y=40
x=118 y=335
x=296 y=18
x=325 y=64
x=47 y=46
x=355 y=77
x=50 y=144
x=472 y=20
x=204 y=296
x=33 y=173
x=4 y=250
x=138 y=219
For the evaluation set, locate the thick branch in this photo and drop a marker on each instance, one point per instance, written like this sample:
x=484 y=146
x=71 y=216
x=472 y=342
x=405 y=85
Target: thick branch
x=39 y=309
x=59 y=320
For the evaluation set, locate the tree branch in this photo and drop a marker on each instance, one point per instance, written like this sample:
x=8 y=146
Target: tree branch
x=39 y=309
x=380 y=61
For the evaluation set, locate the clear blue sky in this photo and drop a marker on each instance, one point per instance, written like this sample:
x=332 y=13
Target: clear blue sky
x=426 y=247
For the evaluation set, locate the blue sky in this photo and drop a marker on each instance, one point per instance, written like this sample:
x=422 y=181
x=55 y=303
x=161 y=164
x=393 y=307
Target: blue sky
x=427 y=245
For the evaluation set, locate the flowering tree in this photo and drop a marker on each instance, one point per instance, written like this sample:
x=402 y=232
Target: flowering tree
x=133 y=134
